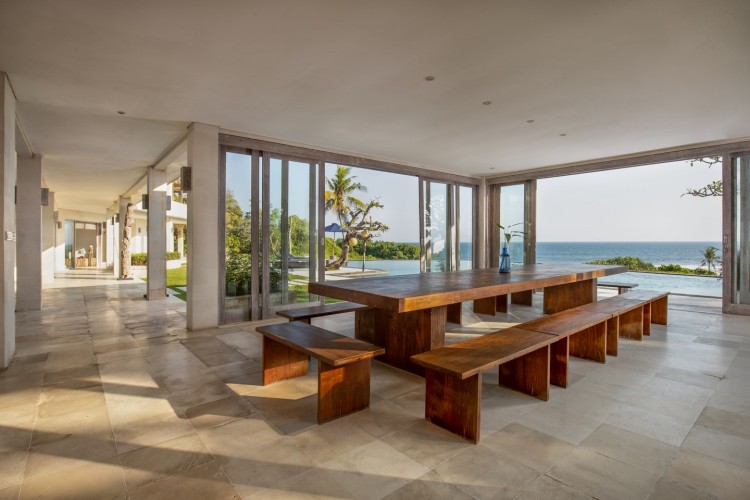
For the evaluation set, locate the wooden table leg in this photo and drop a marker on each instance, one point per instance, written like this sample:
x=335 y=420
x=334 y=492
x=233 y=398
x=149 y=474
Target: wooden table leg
x=454 y=313
x=485 y=305
x=281 y=362
x=403 y=335
x=647 y=318
x=364 y=325
x=501 y=303
x=342 y=389
x=561 y=297
x=525 y=298
x=454 y=404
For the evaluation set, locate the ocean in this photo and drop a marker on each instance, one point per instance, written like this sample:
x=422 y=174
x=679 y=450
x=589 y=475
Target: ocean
x=686 y=254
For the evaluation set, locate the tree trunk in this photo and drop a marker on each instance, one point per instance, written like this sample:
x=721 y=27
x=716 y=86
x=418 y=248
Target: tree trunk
x=341 y=261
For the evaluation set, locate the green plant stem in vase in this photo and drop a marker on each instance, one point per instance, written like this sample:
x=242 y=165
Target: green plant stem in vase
x=508 y=234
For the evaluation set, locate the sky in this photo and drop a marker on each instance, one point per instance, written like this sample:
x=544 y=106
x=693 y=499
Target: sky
x=632 y=204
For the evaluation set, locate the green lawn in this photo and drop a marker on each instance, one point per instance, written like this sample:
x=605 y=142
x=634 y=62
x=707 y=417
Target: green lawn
x=177 y=277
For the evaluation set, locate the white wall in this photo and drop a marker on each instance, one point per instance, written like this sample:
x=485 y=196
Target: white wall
x=8 y=218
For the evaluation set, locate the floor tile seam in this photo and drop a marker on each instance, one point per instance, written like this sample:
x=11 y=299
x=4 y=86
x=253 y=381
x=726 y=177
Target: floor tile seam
x=676 y=449
x=162 y=477
x=544 y=474
x=573 y=448
x=683 y=446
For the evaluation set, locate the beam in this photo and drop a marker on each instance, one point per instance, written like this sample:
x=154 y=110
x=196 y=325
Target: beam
x=679 y=153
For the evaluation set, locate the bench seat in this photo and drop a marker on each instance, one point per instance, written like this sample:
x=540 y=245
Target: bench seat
x=580 y=333
x=343 y=364
x=453 y=382
x=306 y=314
x=621 y=287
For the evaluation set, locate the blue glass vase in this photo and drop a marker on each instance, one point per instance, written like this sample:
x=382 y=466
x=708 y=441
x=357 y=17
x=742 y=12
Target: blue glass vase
x=505 y=261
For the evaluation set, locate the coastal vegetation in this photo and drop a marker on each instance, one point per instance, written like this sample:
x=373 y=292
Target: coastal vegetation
x=636 y=264
x=376 y=250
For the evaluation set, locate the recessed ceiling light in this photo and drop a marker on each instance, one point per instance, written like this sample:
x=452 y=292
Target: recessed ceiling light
x=429 y=78
x=487 y=103
x=121 y=112
x=529 y=121
x=563 y=135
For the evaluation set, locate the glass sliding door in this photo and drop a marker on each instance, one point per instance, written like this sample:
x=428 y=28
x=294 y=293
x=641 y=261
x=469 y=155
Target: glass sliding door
x=512 y=213
x=447 y=242
x=238 y=237
x=292 y=228
x=465 y=227
x=438 y=226
x=737 y=236
x=270 y=233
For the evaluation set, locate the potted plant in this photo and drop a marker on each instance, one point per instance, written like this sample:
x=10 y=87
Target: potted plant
x=508 y=234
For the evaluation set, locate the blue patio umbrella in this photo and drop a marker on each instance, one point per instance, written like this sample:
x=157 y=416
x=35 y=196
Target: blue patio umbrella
x=334 y=228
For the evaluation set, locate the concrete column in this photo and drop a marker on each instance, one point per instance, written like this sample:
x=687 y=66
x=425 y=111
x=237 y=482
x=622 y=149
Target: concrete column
x=170 y=236
x=157 y=234
x=29 y=244
x=203 y=232
x=8 y=218
x=48 y=241
x=124 y=201
x=181 y=240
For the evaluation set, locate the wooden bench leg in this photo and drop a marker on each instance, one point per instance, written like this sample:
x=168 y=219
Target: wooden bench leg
x=501 y=303
x=281 y=362
x=342 y=389
x=454 y=404
x=647 y=319
x=613 y=331
x=631 y=324
x=528 y=374
x=558 y=363
x=455 y=313
x=485 y=306
x=525 y=298
x=590 y=343
x=659 y=311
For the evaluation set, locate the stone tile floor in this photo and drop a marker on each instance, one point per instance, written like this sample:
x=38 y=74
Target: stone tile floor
x=109 y=397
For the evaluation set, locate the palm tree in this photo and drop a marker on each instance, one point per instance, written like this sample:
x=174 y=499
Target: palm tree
x=710 y=257
x=339 y=197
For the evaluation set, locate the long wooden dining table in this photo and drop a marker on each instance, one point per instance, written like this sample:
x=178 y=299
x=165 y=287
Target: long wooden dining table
x=408 y=313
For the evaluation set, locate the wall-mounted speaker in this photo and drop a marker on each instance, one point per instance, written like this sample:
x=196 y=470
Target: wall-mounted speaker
x=186 y=178
x=144 y=201
x=45 y=197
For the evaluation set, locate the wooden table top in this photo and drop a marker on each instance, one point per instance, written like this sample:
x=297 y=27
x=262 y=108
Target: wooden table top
x=413 y=292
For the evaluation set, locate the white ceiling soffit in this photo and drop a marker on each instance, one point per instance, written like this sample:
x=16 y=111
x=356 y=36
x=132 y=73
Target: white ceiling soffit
x=565 y=81
x=90 y=159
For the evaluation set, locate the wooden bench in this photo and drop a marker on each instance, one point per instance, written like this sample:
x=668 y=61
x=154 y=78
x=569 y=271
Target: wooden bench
x=578 y=333
x=621 y=287
x=654 y=309
x=343 y=364
x=306 y=314
x=454 y=375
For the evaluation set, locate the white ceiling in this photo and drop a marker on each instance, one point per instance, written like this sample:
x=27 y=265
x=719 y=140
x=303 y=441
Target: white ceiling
x=616 y=77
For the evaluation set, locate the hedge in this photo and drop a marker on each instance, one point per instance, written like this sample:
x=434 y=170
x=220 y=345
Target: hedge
x=141 y=259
